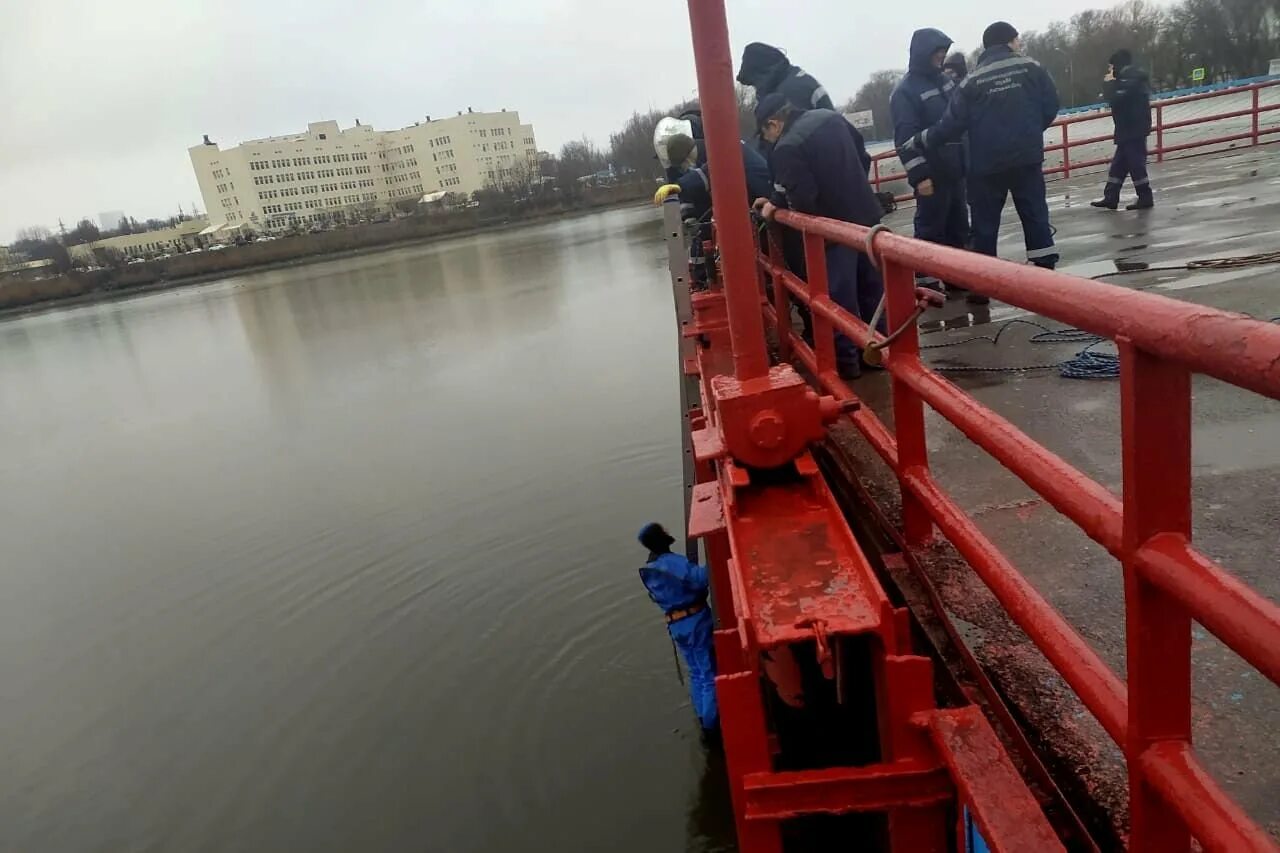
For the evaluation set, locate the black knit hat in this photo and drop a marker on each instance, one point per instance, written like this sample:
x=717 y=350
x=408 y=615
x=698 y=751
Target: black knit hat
x=1121 y=58
x=1000 y=32
x=654 y=537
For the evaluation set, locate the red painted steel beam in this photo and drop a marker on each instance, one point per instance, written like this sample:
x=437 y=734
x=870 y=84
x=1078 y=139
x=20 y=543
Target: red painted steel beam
x=871 y=427
x=1090 y=505
x=1248 y=623
x=1010 y=818
x=1218 y=93
x=734 y=234
x=1086 y=502
x=1231 y=347
x=1102 y=692
x=1220 y=825
x=841 y=790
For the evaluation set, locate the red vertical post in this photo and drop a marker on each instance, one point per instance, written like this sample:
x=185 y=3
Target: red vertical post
x=908 y=408
x=746 y=750
x=781 y=296
x=815 y=265
x=1155 y=424
x=1255 y=114
x=1159 y=133
x=1066 y=153
x=875 y=173
x=724 y=151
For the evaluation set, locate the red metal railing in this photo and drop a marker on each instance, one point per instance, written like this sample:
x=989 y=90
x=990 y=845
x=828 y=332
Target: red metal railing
x=1255 y=134
x=1167 y=581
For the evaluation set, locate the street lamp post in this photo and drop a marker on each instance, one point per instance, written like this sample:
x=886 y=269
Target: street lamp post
x=1071 y=73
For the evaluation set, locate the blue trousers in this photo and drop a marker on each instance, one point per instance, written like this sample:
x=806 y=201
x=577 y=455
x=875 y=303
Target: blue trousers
x=987 y=195
x=942 y=218
x=1130 y=161
x=856 y=287
x=692 y=635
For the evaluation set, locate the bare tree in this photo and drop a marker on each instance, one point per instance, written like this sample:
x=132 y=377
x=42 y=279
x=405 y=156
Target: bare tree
x=35 y=233
x=84 y=232
x=577 y=160
x=632 y=147
x=874 y=96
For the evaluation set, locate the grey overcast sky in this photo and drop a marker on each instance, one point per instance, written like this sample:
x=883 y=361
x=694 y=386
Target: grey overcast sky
x=101 y=98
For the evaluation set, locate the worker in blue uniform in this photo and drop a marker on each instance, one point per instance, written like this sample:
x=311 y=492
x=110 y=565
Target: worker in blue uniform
x=819 y=167
x=918 y=102
x=1128 y=92
x=1005 y=105
x=681 y=148
x=680 y=587
x=766 y=69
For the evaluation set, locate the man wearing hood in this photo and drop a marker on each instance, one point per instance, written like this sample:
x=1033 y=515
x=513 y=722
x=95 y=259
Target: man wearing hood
x=767 y=69
x=1128 y=91
x=918 y=102
x=1005 y=105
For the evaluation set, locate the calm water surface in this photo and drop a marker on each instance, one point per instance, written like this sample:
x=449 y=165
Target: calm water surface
x=341 y=558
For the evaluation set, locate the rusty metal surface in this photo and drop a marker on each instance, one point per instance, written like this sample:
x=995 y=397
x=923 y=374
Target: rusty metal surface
x=807 y=572
x=1008 y=815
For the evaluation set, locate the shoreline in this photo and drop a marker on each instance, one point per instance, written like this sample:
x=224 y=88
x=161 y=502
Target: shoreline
x=106 y=293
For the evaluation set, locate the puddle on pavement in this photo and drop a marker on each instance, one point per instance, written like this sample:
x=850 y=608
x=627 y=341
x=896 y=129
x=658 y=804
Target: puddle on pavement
x=1215 y=201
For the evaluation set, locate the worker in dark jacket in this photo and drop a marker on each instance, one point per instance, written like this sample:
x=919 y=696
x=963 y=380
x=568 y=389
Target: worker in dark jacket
x=1005 y=105
x=680 y=587
x=682 y=150
x=767 y=69
x=818 y=168
x=694 y=181
x=1128 y=91
x=917 y=103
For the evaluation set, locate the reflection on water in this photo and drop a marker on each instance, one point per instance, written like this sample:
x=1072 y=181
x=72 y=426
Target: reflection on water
x=341 y=558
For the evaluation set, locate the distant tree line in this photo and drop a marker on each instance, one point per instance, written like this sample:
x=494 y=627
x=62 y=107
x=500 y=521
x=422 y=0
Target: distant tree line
x=1230 y=39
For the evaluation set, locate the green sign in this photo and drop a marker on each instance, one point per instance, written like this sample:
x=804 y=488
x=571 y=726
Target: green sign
x=1197 y=75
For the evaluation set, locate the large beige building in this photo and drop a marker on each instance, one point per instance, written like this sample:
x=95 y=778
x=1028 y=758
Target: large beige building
x=328 y=173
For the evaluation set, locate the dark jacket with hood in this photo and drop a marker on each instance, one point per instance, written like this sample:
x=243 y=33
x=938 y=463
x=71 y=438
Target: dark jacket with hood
x=918 y=102
x=768 y=70
x=1005 y=105
x=1130 y=98
x=818 y=168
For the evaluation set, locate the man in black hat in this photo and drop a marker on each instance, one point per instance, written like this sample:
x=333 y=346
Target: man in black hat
x=819 y=165
x=767 y=70
x=1005 y=105
x=680 y=587
x=1128 y=91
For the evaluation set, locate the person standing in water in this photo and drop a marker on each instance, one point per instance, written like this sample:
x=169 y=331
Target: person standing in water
x=681 y=588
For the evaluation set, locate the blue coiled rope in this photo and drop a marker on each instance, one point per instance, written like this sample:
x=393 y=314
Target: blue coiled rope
x=1086 y=364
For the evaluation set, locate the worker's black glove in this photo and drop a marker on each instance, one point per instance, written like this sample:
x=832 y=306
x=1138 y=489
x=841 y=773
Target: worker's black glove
x=887 y=202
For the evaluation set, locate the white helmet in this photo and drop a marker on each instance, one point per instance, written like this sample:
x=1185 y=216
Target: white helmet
x=667 y=128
